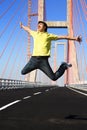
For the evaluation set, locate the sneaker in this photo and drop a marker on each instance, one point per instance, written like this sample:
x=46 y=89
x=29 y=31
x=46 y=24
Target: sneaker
x=66 y=65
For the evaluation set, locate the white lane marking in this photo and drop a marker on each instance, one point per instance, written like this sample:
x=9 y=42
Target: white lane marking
x=37 y=93
x=77 y=91
x=27 y=97
x=10 y=104
x=47 y=90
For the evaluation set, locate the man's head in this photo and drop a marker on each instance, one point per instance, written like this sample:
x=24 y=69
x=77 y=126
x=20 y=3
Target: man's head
x=42 y=26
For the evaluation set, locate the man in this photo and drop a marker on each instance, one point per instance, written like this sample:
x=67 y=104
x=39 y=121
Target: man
x=41 y=51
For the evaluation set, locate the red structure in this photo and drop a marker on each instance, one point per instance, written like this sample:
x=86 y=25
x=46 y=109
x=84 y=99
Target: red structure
x=71 y=53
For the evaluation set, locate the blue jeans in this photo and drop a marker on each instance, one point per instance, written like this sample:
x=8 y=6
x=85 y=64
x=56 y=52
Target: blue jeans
x=42 y=64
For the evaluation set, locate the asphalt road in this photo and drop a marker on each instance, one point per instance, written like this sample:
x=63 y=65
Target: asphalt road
x=57 y=108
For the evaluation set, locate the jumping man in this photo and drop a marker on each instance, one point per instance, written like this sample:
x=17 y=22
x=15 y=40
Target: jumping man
x=41 y=51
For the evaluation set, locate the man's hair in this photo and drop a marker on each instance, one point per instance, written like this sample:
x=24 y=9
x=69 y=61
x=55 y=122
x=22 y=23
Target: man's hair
x=44 y=25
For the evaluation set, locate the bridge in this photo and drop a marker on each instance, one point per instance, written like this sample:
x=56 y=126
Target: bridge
x=35 y=101
x=16 y=51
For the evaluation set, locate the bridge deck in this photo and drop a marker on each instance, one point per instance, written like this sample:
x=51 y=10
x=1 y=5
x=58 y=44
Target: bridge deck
x=57 y=108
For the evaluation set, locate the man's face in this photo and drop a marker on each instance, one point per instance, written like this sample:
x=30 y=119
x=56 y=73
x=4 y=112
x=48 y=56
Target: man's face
x=41 y=27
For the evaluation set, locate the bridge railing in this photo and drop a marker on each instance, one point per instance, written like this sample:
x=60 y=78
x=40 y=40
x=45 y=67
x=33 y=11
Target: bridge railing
x=82 y=85
x=13 y=84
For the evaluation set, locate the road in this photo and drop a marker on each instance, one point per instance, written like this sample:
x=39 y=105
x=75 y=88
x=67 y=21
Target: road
x=44 y=108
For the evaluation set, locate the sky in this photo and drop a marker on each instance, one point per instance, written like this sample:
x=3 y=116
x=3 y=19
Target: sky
x=14 y=41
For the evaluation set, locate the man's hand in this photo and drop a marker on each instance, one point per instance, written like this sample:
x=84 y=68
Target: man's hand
x=21 y=24
x=79 y=39
x=26 y=28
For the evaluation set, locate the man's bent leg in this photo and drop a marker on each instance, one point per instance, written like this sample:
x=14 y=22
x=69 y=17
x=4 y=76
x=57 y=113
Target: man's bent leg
x=30 y=66
x=45 y=67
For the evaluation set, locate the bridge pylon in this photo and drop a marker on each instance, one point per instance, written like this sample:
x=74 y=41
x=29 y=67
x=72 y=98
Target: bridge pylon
x=71 y=76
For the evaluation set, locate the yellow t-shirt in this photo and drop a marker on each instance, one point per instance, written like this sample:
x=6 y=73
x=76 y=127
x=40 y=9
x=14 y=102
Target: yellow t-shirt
x=42 y=42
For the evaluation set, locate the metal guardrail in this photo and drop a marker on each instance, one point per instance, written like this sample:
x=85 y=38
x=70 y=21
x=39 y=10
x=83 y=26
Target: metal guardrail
x=79 y=86
x=13 y=84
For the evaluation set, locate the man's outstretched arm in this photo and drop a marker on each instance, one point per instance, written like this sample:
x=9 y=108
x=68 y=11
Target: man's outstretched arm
x=78 y=38
x=26 y=28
